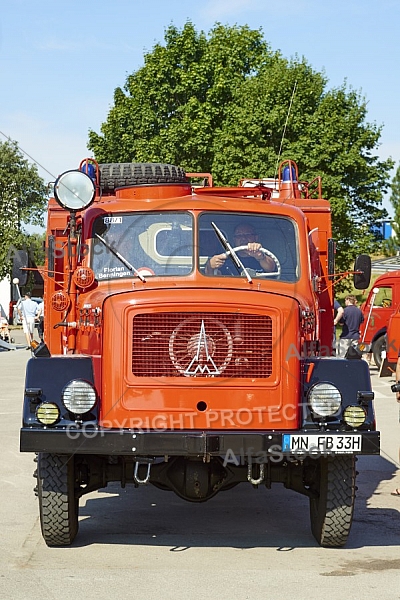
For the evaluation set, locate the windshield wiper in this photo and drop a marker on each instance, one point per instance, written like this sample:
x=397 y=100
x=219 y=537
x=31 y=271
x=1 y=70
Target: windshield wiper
x=121 y=258
x=236 y=260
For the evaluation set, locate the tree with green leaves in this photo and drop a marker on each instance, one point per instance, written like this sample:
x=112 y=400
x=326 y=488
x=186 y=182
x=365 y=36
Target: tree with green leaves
x=22 y=200
x=220 y=103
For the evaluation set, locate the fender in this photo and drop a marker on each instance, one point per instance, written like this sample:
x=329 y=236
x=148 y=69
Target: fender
x=48 y=377
x=378 y=334
x=351 y=377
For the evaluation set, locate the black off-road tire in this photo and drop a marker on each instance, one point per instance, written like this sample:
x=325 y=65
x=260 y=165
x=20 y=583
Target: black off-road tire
x=331 y=512
x=378 y=347
x=115 y=175
x=58 y=505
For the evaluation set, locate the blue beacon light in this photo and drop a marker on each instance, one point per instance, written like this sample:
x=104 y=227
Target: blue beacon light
x=286 y=174
x=90 y=170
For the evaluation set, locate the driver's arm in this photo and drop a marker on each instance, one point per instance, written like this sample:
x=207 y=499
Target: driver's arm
x=214 y=262
x=266 y=262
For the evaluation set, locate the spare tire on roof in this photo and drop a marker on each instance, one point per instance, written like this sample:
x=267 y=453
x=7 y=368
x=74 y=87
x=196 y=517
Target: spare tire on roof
x=115 y=175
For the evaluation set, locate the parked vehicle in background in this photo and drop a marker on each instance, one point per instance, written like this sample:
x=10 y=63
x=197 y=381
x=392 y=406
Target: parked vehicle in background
x=382 y=301
x=393 y=340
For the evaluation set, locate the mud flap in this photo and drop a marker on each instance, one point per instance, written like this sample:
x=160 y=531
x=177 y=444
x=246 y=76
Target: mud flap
x=387 y=369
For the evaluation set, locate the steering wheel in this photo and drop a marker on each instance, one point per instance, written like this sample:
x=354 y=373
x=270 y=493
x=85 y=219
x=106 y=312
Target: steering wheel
x=267 y=253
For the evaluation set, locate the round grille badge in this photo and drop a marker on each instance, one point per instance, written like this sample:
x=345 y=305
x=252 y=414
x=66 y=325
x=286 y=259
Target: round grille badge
x=199 y=347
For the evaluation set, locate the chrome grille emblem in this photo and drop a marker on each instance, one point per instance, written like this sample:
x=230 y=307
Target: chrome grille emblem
x=199 y=352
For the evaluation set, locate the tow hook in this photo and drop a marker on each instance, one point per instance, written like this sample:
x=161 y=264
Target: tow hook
x=250 y=473
x=135 y=474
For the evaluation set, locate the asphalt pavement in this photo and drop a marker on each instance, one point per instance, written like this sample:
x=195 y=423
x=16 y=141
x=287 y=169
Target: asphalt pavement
x=244 y=543
x=18 y=339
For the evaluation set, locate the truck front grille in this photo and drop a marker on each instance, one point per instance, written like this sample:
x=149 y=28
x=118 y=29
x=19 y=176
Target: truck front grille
x=202 y=344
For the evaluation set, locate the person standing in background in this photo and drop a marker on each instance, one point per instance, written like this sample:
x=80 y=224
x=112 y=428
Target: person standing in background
x=27 y=311
x=338 y=311
x=40 y=318
x=396 y=492
x=352 y=319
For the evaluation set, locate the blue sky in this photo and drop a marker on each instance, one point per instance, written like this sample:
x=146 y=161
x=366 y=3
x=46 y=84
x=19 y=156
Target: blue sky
x=60 y=62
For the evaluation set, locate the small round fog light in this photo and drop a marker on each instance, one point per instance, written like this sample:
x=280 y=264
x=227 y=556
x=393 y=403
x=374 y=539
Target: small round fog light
x=354 y=416
x=48 y=413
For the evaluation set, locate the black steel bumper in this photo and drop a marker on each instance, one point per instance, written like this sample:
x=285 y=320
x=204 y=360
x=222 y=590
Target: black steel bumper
x=188 y=443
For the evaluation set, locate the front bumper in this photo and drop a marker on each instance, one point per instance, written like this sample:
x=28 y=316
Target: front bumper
x=195 y=443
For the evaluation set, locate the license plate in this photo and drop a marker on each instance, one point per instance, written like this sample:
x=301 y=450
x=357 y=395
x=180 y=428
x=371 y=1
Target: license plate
x=321 y=443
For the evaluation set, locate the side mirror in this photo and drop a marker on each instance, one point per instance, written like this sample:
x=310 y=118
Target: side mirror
x=20 y=262
x=363 y=277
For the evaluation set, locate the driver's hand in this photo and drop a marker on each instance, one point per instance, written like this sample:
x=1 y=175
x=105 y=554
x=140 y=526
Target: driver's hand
x=217 y=261
x=253 y=249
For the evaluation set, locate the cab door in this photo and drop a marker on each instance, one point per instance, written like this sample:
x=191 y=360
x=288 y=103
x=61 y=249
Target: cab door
x=376 y=317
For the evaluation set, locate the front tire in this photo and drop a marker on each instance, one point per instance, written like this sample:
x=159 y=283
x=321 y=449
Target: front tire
x=331 y=511
x=58 y=503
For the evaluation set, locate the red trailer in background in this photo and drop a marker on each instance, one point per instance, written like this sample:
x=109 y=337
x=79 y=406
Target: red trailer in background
x=382 y=301
x=393 y=338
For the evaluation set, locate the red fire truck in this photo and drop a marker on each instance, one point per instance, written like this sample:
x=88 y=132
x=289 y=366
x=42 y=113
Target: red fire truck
x=170 y=358
x=393 y=340
x=382 y=301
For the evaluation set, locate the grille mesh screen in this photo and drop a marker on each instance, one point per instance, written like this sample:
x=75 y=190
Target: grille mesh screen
x=202 y=344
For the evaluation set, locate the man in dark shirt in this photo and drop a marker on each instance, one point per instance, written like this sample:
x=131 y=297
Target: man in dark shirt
x=338 y=311
x=396 y=491
x=352 y=319
x=251 y=258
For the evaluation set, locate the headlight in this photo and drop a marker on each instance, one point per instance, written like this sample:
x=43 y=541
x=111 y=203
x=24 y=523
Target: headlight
x=74 y=190
x=354 y=416
x=324 y=399
x=79 y=396
x=48 y=413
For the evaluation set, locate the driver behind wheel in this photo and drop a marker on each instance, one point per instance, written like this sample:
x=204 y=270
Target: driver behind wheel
x=251 y=257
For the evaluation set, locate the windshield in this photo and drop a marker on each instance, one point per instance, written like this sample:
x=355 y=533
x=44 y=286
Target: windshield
x=147 y=243
x=162 y=244
x=265 y=245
